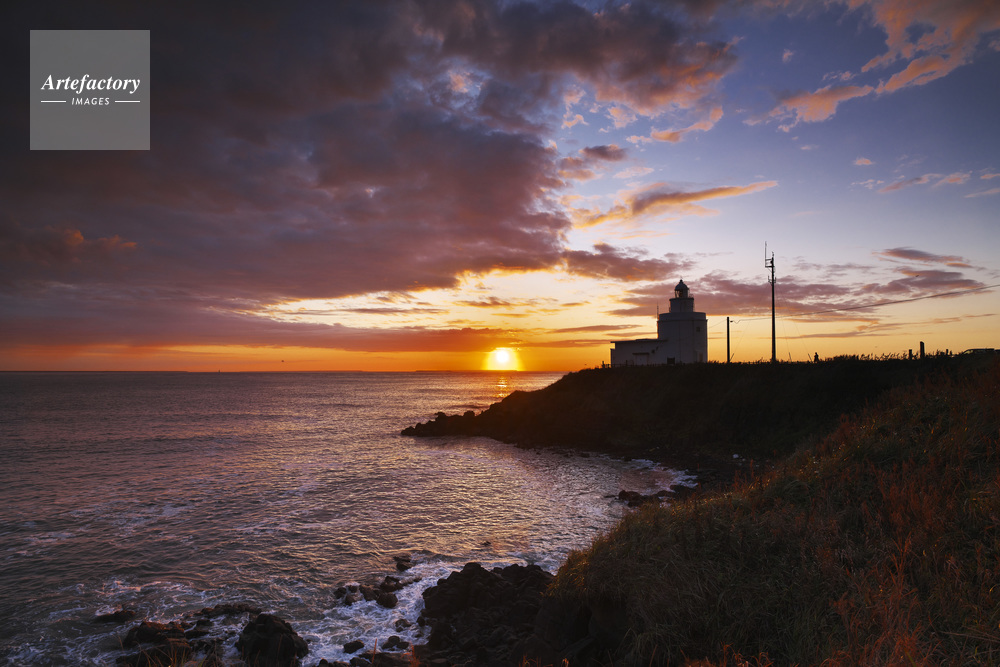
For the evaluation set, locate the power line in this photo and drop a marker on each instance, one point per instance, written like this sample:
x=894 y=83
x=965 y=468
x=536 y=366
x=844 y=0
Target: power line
x=876 y=305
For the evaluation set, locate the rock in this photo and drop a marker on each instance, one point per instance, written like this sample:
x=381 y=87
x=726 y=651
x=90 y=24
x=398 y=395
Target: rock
x=387 y=600
x=199 y=630
x=120 y=616
x=351 y=598
x=635 y=499
x=150 y=632
x=401 y=624
x=169 y=645
x=476 y=615
x=394 y=643
x=230 y=609
x=391 y=584
x=403 y=563
x=369 y=592
x=353 y=647
x=269 y=641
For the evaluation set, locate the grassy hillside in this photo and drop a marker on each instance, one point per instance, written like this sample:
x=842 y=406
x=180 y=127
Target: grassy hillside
x=880 y=544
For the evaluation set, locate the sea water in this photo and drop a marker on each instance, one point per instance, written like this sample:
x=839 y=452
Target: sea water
x=171 y=492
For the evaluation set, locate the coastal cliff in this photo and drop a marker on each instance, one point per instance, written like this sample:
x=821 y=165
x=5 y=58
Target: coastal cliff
x=870 y=539
x=685 y=414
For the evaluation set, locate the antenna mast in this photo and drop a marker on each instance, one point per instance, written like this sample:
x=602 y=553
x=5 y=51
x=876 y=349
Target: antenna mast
x=769 y=264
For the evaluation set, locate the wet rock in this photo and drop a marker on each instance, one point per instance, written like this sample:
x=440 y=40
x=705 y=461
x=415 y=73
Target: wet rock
x=230 y=609
x=391 y=584
x=387 y=600
x=403 y=563
x=121 y=615
x=199 y=629
x=401 y=624
x=150 y=632
x=635 y=499
x=394 y=643
x=165 y=644
x=477 y=615
x=269 y=641
x=353 y=647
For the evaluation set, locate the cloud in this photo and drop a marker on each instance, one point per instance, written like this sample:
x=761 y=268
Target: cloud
x=933 y=37
x=634 y=172
x=863 y=162
x=582 y=166
x=798 y=107
x=899 y=185
x=607 y=262
x=640 y=54
x=621 y=117
x=829 y=300
x=985 y=193
x=925 y=282
x=674 y=136
x=912 y=255
x=787 y=55
x=53 y=247
x=609 y=153
x=958 y=178
x=660 y=199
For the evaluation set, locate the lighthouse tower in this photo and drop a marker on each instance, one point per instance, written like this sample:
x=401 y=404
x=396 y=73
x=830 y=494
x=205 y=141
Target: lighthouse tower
x=681 y=337
x=682 y=330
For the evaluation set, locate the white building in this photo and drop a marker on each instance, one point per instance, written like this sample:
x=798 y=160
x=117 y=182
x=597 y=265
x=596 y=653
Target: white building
x=681 y=337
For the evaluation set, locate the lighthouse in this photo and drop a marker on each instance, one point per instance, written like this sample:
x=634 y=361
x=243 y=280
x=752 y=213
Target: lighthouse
x=681 y=336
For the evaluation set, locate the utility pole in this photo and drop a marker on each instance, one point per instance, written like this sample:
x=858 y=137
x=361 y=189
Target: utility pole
x=769 y=264
x=728 y=356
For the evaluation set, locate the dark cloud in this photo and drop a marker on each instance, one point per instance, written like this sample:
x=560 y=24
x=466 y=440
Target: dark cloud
x=716 y=293
x=323 y=150
x=607 y=262
x=581 y=167
x=610 y=153
x=909 y=254
x=646 y=55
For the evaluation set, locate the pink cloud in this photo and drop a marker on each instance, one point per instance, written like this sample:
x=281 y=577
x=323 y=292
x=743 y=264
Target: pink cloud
x=659 y=199
x=958 y=178
x=985 y=193
x=948 y=36
x=912 y=255
x=674 y=136
x=795 y=108
x=899 y=185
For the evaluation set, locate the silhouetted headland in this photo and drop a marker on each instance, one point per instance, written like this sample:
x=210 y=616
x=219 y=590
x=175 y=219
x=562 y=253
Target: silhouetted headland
x=713 y=417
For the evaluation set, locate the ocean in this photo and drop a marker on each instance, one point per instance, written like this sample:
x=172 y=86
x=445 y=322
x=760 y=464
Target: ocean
x=171 y=492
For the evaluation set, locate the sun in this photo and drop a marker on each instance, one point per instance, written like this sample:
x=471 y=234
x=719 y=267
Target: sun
x=502 y=359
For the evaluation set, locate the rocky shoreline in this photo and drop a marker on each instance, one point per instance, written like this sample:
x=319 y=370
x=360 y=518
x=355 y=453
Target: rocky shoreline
x=474 y=616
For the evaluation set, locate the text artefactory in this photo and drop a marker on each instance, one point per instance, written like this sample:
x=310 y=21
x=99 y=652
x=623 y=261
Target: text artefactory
x=88 y=83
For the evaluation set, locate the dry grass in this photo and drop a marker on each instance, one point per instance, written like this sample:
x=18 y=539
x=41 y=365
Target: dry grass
x=880 y=545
